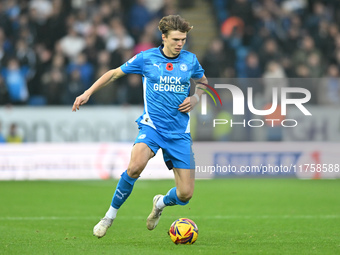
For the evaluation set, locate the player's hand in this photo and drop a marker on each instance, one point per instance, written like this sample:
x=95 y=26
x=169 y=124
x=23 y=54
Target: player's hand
x=82 y=99
x=188 y=104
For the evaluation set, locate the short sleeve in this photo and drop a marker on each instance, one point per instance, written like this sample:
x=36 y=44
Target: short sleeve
x=197 y=70
x=134 y=65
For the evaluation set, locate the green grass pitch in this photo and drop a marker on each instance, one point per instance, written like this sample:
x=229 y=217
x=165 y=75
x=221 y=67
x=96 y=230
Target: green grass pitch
x=234 y=216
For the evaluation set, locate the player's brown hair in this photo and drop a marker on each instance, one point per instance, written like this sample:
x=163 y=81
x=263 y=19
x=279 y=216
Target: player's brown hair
x=173 y=23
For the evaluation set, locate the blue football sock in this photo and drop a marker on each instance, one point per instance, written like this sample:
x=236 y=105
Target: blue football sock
x=123 y=190
x=171 y=198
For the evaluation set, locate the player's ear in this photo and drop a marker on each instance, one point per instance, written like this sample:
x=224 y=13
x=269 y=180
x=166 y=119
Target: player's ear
x=163 y=36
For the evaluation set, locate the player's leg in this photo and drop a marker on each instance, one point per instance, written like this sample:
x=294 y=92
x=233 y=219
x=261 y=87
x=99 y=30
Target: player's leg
x=185 y=183
x=179 y=195
x=182 y=160
x=140 y=156
x=178 y=156
x=182 y=193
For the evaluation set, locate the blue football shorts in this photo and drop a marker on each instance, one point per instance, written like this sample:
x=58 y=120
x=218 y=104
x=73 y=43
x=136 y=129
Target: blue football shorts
x=176 y=148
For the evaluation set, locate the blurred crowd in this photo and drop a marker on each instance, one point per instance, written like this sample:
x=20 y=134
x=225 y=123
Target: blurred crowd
x=52 y=50
x=279 y=39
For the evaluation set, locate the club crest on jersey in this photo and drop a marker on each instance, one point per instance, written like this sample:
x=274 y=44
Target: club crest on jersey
x=169 y=67
x=183 y=67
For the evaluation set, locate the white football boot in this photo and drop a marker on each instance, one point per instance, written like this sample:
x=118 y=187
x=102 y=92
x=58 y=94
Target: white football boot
x=153 y=219
x=100 y=229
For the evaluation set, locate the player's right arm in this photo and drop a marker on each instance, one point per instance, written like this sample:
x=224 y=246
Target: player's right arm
x=105 y=79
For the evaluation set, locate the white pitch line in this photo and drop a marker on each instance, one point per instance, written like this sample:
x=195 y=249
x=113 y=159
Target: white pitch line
x=213 y=217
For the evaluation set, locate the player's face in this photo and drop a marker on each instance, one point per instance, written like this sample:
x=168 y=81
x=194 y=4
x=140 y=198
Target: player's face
x=173 y=42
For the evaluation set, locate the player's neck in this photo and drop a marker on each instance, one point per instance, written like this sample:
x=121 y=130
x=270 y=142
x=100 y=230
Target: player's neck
x=168 y=53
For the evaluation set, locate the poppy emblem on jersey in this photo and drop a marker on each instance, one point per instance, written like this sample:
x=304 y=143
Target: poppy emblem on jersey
x=169 y=67
x=183 y=67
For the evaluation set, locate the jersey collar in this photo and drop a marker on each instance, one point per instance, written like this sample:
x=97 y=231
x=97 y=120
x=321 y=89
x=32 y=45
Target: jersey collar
x=161 y=50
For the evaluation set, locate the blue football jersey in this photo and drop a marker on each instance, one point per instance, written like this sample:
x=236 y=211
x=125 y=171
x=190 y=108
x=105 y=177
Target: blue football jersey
x=166 y=83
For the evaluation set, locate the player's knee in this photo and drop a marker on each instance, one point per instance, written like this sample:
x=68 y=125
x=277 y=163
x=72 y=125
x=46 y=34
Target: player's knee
x=185 y=195
x=134 y=170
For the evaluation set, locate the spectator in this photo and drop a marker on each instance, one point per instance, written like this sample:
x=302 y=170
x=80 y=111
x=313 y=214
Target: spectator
x=222 y=132
x=117 y=10
x=214 y=60
x=53 y=83
x=12 y=12
x=72 y=44
x=106 y=11
x=84 y=67
x=13 y=136
x=155 y=36
x=138 y=18
x=5 y=22
x=75 y=86
x=145 y=43
x=314 y=65
x=274 y=77
x=259 y=39
x=134 y=90
x=302 y=71
x=100 y=27
x=169 y=8
x=4 y=95
x=37 y=27
x=319 y=13
x=300 y=57
x=229 y=72
x=103 y=59
x=329 y=89
x=55 y=24
x=287 y=65
x=333 y=30
x=82 y=25
x=15 y=80
x=324 y=40
x=104 y=96
x=337 y=42
x=253 y=68
x=267 y=21
x=118 y=38
x=5 y=48
x=25 y=55
x=27 y=35
x=270 y=52
x=119 y=55
x=43 y=64
x=293 y=5
x=2 y=137
x=243 y=10
x=154 y=6
x=336 y=57
x=274 y=131
x=292 y=40
x=43 y=8
x=58 y=62
x=93 y=45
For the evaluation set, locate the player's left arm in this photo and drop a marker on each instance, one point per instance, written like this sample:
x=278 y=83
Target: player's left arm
x=190 y=102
